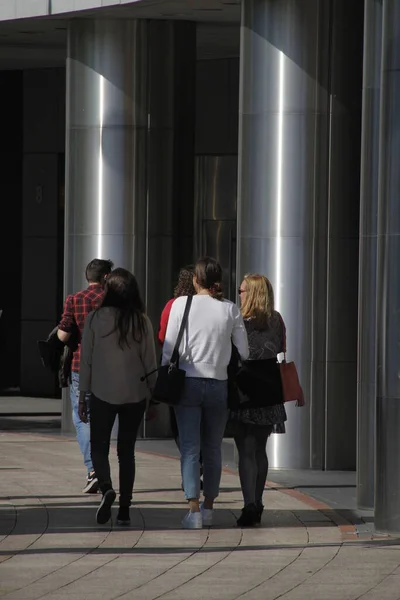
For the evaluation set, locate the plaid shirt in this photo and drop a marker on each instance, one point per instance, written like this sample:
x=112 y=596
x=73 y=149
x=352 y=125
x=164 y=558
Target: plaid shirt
x=76 y=309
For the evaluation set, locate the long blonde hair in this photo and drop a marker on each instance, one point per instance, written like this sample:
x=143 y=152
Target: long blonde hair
x=259 y=301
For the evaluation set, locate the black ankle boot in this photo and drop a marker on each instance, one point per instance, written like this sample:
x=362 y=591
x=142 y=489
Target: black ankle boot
x=123 y=517
x=249 y=516
x=260 y=510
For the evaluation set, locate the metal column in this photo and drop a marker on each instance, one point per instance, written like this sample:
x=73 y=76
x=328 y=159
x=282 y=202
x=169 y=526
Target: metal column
x=283 y=145
x=106 y=128
x=346 y=60
x=129 y=105
x=366 y=379
x=170 y=157
x=387 y=479
x=106 y=123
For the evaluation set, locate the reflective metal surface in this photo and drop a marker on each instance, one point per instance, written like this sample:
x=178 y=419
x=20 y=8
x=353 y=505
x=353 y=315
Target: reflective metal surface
x=343 y=233
x=106 y=123
x=215 y=214
x=366 y=377
x=130 y=113
x=282 y=177
x=106 y=182
x=387 y=475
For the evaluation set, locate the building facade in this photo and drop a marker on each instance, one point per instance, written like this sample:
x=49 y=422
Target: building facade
x=152 y=132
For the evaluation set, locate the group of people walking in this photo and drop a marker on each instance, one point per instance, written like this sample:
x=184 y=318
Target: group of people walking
x=115 y=371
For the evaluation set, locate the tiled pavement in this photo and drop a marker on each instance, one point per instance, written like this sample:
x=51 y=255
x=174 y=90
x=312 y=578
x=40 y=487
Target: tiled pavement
x=51 y=547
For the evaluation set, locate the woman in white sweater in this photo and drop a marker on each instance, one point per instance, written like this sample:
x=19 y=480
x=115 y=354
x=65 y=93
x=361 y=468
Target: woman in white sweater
x=117 y=350
x=205 y=352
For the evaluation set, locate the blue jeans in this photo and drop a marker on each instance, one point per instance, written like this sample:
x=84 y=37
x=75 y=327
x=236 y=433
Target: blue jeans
x=201 y=417
x=82 y=429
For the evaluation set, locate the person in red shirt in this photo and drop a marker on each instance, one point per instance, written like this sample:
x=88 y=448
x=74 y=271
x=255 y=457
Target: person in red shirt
x=76 y=309
x=184 y=287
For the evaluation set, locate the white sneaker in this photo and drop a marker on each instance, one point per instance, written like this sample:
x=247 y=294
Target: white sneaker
x=193 y=520
x=207 y=514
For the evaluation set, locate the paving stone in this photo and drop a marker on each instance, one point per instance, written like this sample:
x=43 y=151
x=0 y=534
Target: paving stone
x=52 y=548
x=336 y=591
x=388 y=589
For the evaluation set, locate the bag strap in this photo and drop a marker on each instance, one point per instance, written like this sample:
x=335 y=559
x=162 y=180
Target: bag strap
x=284 y=335
x=175 y=354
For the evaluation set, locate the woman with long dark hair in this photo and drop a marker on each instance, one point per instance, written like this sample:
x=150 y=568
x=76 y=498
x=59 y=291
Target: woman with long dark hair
x=261 y=411
x=204 y=353
x=117 y=351
x=184 y=287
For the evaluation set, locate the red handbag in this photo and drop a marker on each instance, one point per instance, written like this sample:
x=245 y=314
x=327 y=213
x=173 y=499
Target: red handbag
x=292 y=390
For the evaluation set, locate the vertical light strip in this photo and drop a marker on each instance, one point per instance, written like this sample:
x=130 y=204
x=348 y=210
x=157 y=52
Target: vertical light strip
x=100 y=172
x=279 y=183
x=281 y=99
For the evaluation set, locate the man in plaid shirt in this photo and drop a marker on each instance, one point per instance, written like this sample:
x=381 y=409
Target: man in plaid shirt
x=76 y=309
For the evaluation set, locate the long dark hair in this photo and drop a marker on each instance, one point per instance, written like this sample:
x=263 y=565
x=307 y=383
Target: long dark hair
x=122 y=292
x=185 y=286
x=209 y=275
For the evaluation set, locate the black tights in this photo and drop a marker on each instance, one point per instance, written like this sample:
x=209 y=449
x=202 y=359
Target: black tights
x=102 y=417
x=251 y=442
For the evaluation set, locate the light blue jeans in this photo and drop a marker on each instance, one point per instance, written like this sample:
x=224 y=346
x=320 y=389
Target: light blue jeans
x=201 y=417
x=82 y=429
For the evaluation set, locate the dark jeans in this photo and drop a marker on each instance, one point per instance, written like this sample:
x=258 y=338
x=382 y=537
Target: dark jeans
x=251 y=442
x=102 y=417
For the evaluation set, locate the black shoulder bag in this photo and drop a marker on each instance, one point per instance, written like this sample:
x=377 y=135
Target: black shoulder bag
x=171 y=378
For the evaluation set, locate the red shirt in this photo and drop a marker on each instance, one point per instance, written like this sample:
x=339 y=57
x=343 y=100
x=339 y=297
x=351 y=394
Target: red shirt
x=76 y=309
x=164 y=321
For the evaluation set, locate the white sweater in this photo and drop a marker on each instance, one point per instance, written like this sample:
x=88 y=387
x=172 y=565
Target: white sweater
x=205 y=350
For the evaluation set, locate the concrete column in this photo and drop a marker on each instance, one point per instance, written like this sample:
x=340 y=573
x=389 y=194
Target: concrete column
x=123 y=111
x=283 y=158
x=387 y=478
x=366 y=378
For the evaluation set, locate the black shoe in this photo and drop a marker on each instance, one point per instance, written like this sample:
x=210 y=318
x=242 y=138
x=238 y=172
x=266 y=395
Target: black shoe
x=249 y=516
x=123 y=517
x=260 y=510
x=104 y=511
x=92 y=484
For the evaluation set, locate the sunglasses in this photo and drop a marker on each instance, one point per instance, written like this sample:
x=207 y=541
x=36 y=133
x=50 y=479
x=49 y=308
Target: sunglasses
x=240 y=291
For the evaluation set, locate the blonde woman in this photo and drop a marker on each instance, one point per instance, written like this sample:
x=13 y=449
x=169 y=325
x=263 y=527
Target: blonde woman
x=261 y=410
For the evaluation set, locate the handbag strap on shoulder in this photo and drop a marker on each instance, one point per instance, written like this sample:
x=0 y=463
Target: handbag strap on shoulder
x=175 y=354
x=284 y=335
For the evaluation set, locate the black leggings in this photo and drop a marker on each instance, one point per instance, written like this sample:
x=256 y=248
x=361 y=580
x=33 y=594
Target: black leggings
x=102 y=417
x=251 y=442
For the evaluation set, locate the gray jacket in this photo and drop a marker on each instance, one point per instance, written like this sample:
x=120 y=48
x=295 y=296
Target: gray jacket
x=110 y=372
